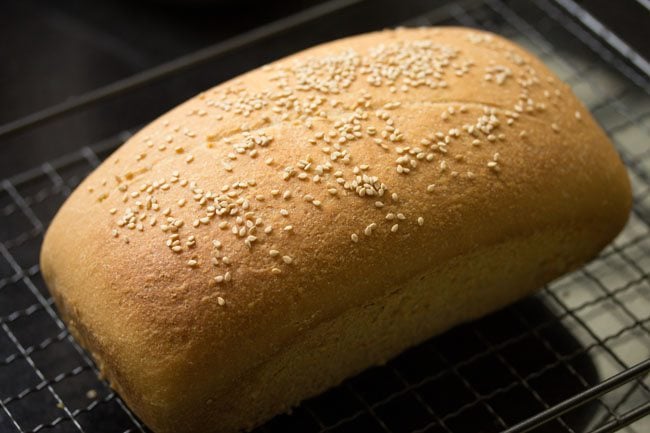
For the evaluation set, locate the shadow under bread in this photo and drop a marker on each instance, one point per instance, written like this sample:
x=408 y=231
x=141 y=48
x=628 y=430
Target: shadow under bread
x=477 y=377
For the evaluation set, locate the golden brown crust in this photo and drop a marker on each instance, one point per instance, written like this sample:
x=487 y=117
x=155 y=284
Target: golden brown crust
x=502 y=150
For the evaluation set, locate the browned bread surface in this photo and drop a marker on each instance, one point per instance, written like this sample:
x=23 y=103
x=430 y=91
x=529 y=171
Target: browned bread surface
x=284 y=230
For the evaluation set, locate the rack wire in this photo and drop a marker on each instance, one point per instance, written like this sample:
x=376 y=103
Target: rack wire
x=573 y=358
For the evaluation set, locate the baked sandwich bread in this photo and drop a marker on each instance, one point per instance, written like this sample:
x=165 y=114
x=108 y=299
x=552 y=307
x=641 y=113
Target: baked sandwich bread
x=287 y=229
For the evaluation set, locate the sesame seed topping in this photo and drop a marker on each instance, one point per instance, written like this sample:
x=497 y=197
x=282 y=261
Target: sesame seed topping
x=287 y=259
x=332 y=95
x=221 y=301
x=368 y=230
x=249 y=241
x=192 y=263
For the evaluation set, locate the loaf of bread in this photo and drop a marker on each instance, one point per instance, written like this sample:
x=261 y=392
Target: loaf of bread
x=285 y=230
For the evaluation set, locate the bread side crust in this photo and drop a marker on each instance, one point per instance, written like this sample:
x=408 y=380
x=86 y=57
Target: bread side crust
x=460 y=290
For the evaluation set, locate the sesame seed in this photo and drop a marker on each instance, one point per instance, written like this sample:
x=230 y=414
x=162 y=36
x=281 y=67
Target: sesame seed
x=420 y=221
x=284 y=212
x=249 y=241
x=394 y=228
x=219 y=279
x=227 y=277
x=431 y=187
x=192 y=263
x=276 y=271
x=354 y=237
x=287 y=259
x=274 y=253
x=288 y=228
x=400 y=216
x=368 y=230
x=221 y=301
x=578 y=115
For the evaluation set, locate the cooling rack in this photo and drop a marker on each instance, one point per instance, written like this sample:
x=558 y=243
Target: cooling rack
x=573 y=358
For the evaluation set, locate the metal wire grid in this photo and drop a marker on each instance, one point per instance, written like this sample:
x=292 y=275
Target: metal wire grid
x=487 y=376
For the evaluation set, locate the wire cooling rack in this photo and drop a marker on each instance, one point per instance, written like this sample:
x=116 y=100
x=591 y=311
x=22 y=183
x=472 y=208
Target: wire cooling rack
x=573 y=358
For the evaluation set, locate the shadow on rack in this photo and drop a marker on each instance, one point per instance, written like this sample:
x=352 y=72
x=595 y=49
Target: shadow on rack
x=501 y=369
